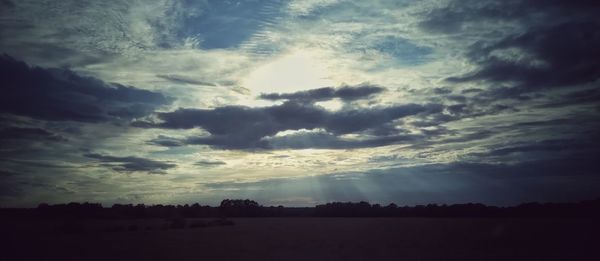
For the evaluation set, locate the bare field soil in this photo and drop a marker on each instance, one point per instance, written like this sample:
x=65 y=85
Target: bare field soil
x=303 y=239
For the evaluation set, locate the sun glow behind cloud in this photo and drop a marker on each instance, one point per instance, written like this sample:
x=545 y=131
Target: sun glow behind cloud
x=295 y=71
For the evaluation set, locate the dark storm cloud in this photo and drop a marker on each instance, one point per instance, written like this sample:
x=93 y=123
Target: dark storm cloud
x=590 y=144
x=553 y=46
x=346 y=93
x=21 y=140
x=546 y=145
x=567 y=54
x=459 y=14
x=522 y=141
x=130 y=164
x=580 y=97
x=575 y=165
x=543 y=123
x=6 y=173
x=10 y=190
x=469 y=110
x=7 y=4
x=62 y=95
x=238 y=127
x=31 y=134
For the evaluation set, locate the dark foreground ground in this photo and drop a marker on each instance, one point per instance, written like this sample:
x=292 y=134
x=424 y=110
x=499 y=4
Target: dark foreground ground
x=304 y=239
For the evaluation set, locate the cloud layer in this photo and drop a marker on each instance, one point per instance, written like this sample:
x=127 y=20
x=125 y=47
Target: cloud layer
x=307 y=101
x=129 y=164
x=61 y=95
x=345 y=93
x=238 y=127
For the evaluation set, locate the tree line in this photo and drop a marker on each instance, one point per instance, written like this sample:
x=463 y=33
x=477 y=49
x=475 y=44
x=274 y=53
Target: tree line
x=250 y=208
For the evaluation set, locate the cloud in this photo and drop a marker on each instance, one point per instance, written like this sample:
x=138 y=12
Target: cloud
x=166 y=141
x=130 y=164
x=9 y=190
x=325 y=140
x=7 y=3
x=556 y=56
x=209 y=163
x=183 y=79
x=238 y=127
x=474 y=90
x=31 y=134
x=557 y=49
x=305 y=7
x=443 y=183
x=466 y=137
x=6 y=173
x=458 y=15
x=572 y=146
x=62 y=95
x=72 y=32
x=579 y=97
x=345 y=93
x=402 y=50
x=28 y=140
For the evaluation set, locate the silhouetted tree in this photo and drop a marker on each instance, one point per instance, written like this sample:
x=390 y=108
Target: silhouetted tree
x=239 y=208
x=250 y=208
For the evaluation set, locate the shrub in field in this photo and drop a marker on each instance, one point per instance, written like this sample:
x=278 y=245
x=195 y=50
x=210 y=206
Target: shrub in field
x=240 y=208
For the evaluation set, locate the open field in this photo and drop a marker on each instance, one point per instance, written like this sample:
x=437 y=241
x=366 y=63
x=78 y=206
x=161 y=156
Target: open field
x=306 y=239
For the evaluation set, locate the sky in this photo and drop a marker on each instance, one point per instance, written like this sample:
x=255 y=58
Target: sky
x=298 y=103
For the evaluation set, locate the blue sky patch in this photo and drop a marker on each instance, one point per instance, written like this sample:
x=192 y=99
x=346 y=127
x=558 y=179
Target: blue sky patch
x=402 y=50
x=226 y=24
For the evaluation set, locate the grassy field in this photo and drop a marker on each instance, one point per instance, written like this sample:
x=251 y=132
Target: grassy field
x=305 y=239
